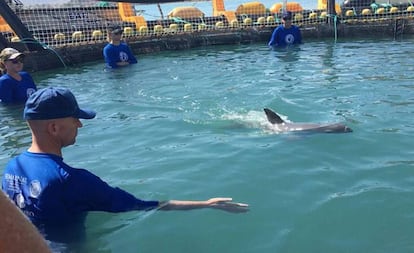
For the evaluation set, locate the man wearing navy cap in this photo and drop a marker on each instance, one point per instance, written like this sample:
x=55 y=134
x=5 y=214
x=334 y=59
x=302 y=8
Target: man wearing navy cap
x=285 y=34
x=117 y=53
x=55 y=195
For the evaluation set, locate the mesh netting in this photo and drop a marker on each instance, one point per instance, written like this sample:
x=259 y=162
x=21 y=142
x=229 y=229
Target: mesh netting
x=59 y=23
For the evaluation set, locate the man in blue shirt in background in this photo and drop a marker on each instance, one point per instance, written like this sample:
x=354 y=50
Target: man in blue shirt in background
x=117 y=53
x=285 y=34
x=55 y=195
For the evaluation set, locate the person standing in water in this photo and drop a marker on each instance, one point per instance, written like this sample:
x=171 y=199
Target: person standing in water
x=285 y=34
x=16 y=85
x=117 y=53
x=56 y=196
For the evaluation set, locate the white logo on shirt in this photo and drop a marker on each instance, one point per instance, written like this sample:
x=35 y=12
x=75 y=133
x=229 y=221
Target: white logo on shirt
x=35 y=189
x=123 y=56
x=20 y=201
x=289 y=39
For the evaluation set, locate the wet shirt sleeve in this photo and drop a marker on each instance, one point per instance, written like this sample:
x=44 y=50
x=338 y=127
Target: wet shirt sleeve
x=111 y=56
x=131 y=57
x=274 y=38
x=6 y=90
x=86 y=192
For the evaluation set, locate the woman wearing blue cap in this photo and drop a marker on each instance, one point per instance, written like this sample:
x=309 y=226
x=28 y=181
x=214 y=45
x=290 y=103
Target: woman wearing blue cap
x=117 y=53
x=285 y=34
x=55 y=195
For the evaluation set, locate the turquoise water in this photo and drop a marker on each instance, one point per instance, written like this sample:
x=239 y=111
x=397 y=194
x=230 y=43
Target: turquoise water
x=190 y=125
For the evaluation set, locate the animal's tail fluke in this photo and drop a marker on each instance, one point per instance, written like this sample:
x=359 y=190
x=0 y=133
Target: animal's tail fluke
x=272 y=117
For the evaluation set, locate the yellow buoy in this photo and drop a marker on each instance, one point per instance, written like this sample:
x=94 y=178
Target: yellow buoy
x=394 y=9
x=290 y=6
x=270 y=20
x=410 y=8
x=173 y=28
x=380 y=11
x=77 y=35
x=366 y=12
x=59 y=36
x=219 y=25
x=188 y=27
x=158 y=29
x=143 y=30
x=97 y=34
x=247 y=21
x=234 y=23
x=202 y=27
x=261 y=20
x=298 y=17
x=349 y=13
x=128 y=31
x=251 y=8
x=15 y=39
x=186 y=12
x=323 y=15
x=313 y=15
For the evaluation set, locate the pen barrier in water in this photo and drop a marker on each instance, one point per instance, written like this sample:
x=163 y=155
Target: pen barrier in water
x=85 y=22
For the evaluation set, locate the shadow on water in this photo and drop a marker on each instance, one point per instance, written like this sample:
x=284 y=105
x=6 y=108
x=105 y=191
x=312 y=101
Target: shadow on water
x=65 y=239
x=287 y=54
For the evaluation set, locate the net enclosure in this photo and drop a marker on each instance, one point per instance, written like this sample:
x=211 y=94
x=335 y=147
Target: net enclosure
x=60 y=23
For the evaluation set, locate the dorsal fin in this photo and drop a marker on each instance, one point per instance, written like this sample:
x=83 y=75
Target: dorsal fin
x=272 y=117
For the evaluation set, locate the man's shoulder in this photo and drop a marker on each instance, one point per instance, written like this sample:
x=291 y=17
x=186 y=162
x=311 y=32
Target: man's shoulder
x=280 y=27
x=108 y=46
x=29 y=158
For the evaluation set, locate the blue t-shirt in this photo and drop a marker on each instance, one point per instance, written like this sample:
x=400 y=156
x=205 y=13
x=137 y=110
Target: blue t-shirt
x=51 y=192
x=285 y=37
x=120 y=53
x=14 y=91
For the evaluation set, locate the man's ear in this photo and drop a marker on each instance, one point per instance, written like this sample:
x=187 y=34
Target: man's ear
x=53 y=127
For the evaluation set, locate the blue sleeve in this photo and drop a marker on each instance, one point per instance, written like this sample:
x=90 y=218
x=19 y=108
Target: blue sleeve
x=6 y=90
x=110 y=56
x=131 y=57
x=273 y=39
x=87 y=192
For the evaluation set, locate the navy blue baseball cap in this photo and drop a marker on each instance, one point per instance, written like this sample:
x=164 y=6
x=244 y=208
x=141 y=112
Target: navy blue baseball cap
x=287 y=15
x=54 y=103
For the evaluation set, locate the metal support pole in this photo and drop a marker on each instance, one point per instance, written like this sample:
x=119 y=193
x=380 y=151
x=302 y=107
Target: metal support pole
x=331 y=11
x=18 y=27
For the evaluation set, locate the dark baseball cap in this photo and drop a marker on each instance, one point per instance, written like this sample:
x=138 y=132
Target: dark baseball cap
x=115 y=29
x=54 y=103
x=287 y=15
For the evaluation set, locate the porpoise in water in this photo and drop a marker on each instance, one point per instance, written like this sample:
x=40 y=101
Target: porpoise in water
x=283 y=126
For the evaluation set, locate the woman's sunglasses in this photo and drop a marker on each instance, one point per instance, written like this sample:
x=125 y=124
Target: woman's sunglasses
x=17 y=60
